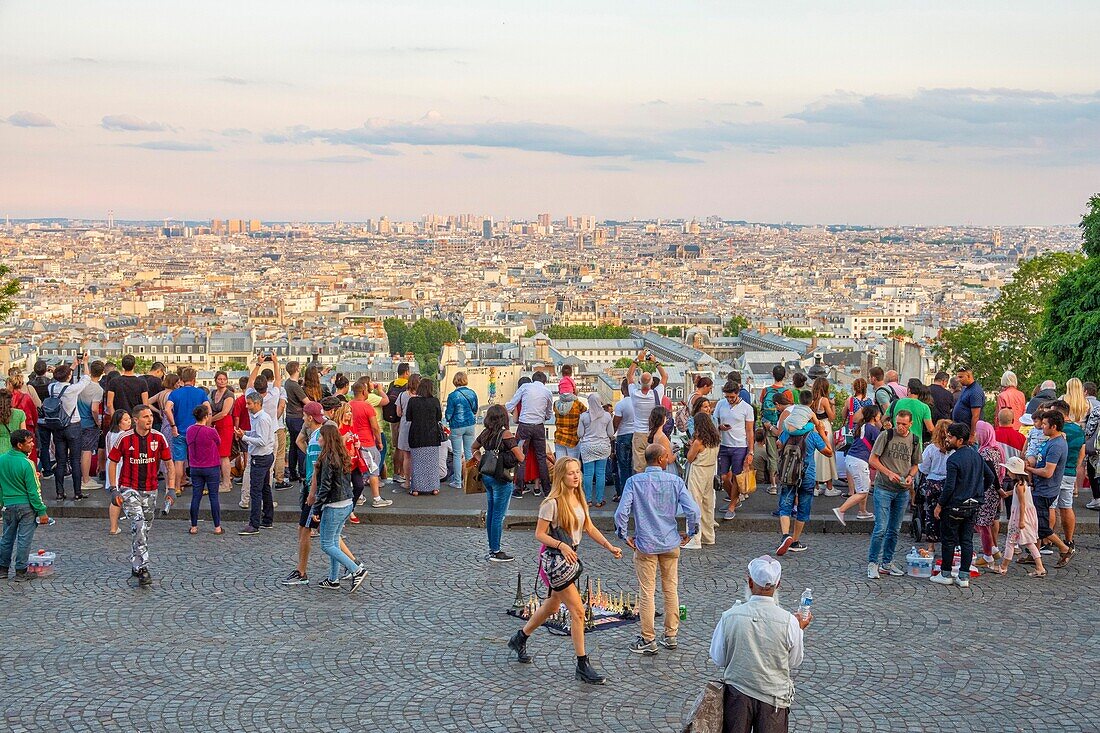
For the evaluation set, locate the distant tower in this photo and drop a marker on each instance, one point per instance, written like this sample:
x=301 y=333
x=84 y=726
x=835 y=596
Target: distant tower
x=110 y=218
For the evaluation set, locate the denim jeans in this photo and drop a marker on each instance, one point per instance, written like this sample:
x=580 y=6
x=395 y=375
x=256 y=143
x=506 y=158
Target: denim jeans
x=497 y=495
x=595 y=477
x=19 y=526
x=66 y=446
x=564 y=451
x=259 y=491
x=295 y=457
x=209 y=479
x=805 y=502
x=889 y=511
x=624 y=460
x=332 y=523
x=462 y=446
x=45 y=458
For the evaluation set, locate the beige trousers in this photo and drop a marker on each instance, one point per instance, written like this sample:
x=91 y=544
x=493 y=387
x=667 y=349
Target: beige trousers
x=646 y=566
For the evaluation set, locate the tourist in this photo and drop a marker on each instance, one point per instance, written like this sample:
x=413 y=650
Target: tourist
x=623 y=420
x=343 y=418
x=562 y=520
x=461 y=417
x=919 y=404
x=1046 y=482
x=654 y=498
x=856 y=464
x=159 y=403
x=154 y=385
x=1011 y=398
x=735 y=419
x=943 y=400
x=566 y=385
x=67 y=436
x=11 y=420
x=850 y=415
x=645 y=398
x=121 y=424
x=884 y=394
x=1078 y=403
x=895 y=457
x=798 y=478
x=933 y=471
x=1047 y=392
x=296 y=398
x=987 y=521
x=1008 y=433
x=89 y=407
x=309 y=443
x=969 y=403
x=892 y=382
x=341 y=387
x=825 y=411
x=274 y=403
x=702 y=459
x=411 y=385
x=260 y=442
x=656 y=435
x=595 y=433
x=1023 y=522
x=241 y=421
x=392 y=415
x=1092 y=456
x=703 y=388
x=567 y=414
x=424 y=414
x=39 y=382
x=21 y=499
x=969 y=478
x=364 y=421
x=798 y=383
x=126 y=390
x=1074 y=473
x=769 y=417
x=536 y=404
x=330 y=497
x=221 y=407
x=180 y=414
x=495 y=436
x=25 y=398
x=756 y=644
x=311 y=383
x=205 y=465
x=136 y=459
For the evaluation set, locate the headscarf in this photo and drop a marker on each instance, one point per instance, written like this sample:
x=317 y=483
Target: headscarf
x=989 y=448
x=596 y=414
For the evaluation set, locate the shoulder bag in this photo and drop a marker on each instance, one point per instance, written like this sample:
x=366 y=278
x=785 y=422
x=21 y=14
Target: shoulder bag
x=558 y=572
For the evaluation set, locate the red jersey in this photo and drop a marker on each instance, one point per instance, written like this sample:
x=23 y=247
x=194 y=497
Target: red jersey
x=1010 y=437
x=240 y=414
x=139 y=458
x=351 y=444
x=361 y=415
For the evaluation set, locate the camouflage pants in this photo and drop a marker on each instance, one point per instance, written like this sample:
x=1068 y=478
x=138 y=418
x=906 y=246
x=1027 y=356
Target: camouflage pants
x=139 y=506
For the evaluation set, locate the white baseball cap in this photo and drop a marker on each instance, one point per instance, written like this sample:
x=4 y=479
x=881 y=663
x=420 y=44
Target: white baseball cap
x=765 y=571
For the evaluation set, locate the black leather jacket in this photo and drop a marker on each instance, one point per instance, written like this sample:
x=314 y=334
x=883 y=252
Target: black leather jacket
x=333 y=484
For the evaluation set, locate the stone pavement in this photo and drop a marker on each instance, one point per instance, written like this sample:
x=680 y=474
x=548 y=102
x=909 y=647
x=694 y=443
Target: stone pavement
x=218 y=644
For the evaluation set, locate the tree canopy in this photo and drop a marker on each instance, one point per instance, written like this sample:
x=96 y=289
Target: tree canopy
x=645 y=366
x=734 y=326
x=9 y=288
x=480 y=336
x=424 y=338
x=588 y=332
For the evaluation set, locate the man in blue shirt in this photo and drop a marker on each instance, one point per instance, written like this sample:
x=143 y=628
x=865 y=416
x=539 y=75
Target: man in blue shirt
x=1046 y=481
x=180 y=415
x=656 y=497
x=968 y=406
x=810 y=444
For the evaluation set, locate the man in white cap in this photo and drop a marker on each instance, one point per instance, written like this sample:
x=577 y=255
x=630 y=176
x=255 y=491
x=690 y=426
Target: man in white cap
x=756 y=645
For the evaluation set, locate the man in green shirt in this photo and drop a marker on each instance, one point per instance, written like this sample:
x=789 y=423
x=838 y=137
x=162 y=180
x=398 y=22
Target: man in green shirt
x=21 y=498
x=918 y=408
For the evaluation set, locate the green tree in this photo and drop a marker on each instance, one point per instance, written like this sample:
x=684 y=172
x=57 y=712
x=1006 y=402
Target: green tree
x=900 y=333
x=234 y=366
x=735 y=326
x=588 y=332
x=142 y=365
x=479 y=336
x=397 y=332
x=798 y=333
x=9 y=288
x=645 y=366
x=671 y=331
x=1071 y=319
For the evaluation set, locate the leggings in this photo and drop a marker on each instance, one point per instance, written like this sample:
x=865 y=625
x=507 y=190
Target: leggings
x=357 y=484
x=1010 y=550
x=211 y=479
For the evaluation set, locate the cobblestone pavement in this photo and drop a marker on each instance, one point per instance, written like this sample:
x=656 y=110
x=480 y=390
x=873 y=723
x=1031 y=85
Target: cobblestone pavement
x=222 y=646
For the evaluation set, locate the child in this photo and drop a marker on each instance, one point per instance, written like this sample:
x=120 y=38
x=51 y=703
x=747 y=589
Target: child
x=566 y=384
x=1023 y=524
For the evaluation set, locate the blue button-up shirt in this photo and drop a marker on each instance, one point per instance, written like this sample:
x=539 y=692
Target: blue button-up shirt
x=656 y=497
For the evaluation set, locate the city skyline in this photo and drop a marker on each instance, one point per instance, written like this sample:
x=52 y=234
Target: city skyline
x=811 y=113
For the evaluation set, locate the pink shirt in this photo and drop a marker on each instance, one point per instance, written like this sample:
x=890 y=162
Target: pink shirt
x=1014 y=400
x=203 y=443
x=566 y=386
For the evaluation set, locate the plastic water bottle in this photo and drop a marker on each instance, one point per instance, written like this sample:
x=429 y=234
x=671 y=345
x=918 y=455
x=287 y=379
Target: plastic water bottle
x=805 y=604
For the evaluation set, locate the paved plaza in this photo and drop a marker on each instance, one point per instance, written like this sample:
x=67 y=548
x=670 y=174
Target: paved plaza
x=218 y=644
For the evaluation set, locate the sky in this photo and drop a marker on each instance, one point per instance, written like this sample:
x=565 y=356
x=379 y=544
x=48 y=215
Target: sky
x=880 y=112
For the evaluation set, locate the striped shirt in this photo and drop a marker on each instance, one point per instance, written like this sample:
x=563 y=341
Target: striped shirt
x=139 y=458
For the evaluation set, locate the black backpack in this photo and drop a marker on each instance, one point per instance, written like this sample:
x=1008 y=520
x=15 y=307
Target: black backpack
x=389 y=411
x=52 y=415
x=792 y=462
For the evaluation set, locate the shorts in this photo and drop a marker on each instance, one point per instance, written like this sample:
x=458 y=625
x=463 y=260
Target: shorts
x=859 y=474
x=1065 y=494
x=731 y=459
x=371 y=457
x=805 y=502
x=1042 y=510
x=179 y=448
x=304 y=519
x=89 y=439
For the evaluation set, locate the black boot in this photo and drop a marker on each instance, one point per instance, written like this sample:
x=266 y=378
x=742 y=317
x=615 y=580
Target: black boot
x=518 y=644
x=144 y=577
x=587 y=673
x=21 y=576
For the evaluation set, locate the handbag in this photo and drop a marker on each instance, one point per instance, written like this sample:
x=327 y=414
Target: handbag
x=558 y=572
x=494 y=461
x=471 y=478
x=441 y=433
x=709 y=712
x=747 y=481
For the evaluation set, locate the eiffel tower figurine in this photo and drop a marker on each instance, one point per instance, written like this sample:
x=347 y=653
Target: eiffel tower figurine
x=518 y=603
x=589 y=617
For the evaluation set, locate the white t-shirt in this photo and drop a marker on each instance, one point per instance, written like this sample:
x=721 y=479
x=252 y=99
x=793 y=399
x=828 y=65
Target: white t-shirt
x=735 y=416
x=643 y=406
x=271 y=404
x=624 y=408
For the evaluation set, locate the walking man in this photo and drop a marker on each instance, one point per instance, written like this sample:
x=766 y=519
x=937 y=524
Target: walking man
x=968 y=478
x=756 y=645
x=260 y=441
x=655 y=497
x=735 y=419
x=21 y=499
x=536 y=407
x=895 y=456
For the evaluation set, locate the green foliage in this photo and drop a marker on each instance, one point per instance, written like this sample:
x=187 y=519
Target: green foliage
x=426 y=336
x=234 y=366
x=1090 y=228
x=1071 y=326
x=479 y=336
x=9 y=288
x=798 y=333
x=671 y=331
x=900 y=333
x=645 y=366
x=528 y=333
x=142 y=365
x=397 y=332
x=735 y=326
x=588 y=332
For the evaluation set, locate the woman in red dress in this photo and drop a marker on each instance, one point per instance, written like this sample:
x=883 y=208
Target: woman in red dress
x=221 y=407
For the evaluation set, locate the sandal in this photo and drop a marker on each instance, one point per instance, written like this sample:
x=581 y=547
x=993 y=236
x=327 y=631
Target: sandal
x=113 y=532
x=193 y=530
x=414 y=493
x=999 y=570
x=1026 y=560
x=1063 y=559
x=1034 y=574
x=218 y=530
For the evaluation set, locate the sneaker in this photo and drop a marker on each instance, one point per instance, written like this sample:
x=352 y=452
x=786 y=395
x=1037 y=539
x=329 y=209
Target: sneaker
x=361 y=501
x=329 y=584
x=378 y=502
x=357 y=578
x=942 y=579
x=22 y=576
x=295 y=578
x=399 y=479
x=454 y=485
x=839 y=517
x=891 y=569
x=729 y=515
x=281 y=485
x=668 y=642
x=538 y=491
x=962 y=581
x=500 y=556
x=865 y=515
x=1094 y=504
x=249 y=530
x=832 y=492
x=267 y=526
x=773 y=491
x=797 y=547
x=641 y=646
x=244 y=505
x=784 y=545
x=144 y=577
x=90 y=484
x=353 y=519
x=872 y=571
x=517 y=494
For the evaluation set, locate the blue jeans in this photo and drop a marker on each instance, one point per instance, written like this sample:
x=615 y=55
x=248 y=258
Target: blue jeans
x=462 y=446
x=595 y=478
x=67 y=446
x=296 y=459
x=497 y=495
x=259 y=491
x=563 y=451
x=209 y=479
x=44 y=438
x=805 y=502
x=19 y=526
x=889 y=511
x=383 y=449
x=332 y=522
x=624 y=459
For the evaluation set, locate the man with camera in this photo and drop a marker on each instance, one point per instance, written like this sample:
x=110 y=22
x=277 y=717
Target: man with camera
x=968 y=478
x=644 y=396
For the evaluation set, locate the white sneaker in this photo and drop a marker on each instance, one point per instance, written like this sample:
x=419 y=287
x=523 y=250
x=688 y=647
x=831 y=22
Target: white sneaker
x=832 y=492
x=839 y=516
x=962 y=581
x=378 y=502
x=942 y=579
x=1094 y=504
x=244 y=505
x=892 y=569
x=90 y=484
x=872 y=571
x=361 y=500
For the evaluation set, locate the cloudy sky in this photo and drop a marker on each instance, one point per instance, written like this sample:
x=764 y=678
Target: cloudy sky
x=820 y=112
